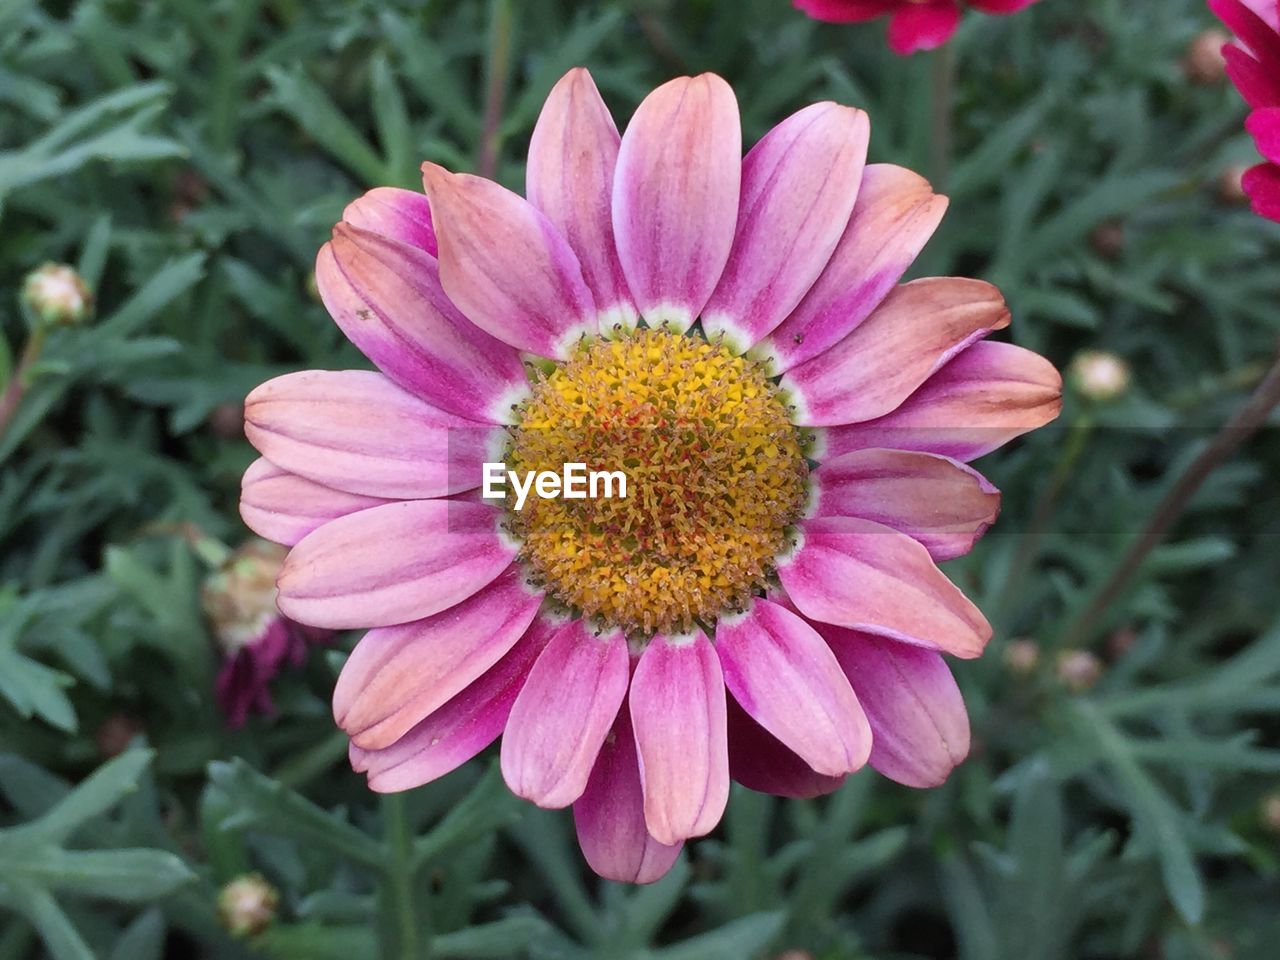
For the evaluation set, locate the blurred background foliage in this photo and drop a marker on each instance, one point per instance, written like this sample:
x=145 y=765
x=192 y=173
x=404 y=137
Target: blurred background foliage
x=189 y=156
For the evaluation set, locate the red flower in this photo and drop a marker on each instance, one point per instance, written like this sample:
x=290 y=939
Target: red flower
x=1253 y=63
x=914 y=24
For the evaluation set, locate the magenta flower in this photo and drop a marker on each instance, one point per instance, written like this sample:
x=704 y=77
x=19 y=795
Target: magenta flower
x=1253 y=63
x=913 y=24
x=257 y=643
x=711 y=326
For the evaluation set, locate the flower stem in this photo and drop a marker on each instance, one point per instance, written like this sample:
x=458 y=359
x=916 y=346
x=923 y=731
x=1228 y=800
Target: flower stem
x=1225 y=443
x=404 y=930
x=17 y=385
x=942 y=114
x=1029 y=543
x=499 y=67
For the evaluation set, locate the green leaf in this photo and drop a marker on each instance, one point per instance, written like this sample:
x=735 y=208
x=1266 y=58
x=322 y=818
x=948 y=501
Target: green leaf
x=262 y=803
x=312 y=109
x=98 y=793
x=741 y=938
x=492 y=941
x=1153 y=811
x=125 y=876
x=88 y=134
x=143 y=939
x=487 y=807
x=60 y=936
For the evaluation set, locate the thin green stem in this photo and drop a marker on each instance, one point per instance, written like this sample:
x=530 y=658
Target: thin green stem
x=1029 y=544
x=1224 y=444
x=17 y=385
x=405 y=933
x=501 y=28
x=942 y=114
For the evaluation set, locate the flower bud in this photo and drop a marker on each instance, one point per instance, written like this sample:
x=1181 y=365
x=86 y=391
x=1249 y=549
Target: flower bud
x=240 y=598
x=1204 y=63
x=226 y=420
x=115 y=733
x=57 y=295
x=247 y=905
x=1120 y=643
x=1022 y=657
x=1078 y=670
x=1108 y=239
x=1099 y=376
x=1269 y=812
x=1231 y=185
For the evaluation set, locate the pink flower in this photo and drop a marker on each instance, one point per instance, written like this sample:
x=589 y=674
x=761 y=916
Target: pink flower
x=914 y=24
x=1253 y=63
x=256 y=641
x=711 y=326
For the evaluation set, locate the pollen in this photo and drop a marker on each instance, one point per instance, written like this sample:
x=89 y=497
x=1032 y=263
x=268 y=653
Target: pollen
x=716 y=475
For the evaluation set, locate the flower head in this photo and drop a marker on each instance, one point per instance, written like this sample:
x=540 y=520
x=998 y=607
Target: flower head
x=731 y=335
x=247 y=905
x=257 y=643
x=1253 y=63
x=913 y=24
x=57 y=295
x=1100 y=376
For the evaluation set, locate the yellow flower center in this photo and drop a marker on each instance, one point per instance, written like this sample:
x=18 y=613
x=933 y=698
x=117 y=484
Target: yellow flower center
x=715 y=475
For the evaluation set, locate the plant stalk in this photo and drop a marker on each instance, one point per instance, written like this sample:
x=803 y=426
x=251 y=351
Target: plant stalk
x=404 y=930
x=1225 y=443
x=942 y=114
x=17 y=385
x=501 y=28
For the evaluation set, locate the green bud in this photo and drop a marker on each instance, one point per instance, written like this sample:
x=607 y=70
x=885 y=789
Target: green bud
x=57 y=295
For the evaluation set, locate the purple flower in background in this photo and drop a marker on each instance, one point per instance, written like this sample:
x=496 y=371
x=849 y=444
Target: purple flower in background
x=256 y=642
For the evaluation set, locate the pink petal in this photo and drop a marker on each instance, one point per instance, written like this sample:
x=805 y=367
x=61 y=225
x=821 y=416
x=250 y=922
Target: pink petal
x=917 y=329
x=1259 y=85
x=400 y=215
x=920 y=725
x=284 y=507
x=610 y=814
x=386 y=297
x=989 y=394
x=393 y=564
x=859 y=574
x=572 y=156
x=846 y=11
x=563 y=714
x=460 y=729
x=923 y=25
x=1264 y=125
x=396 y=676
x=894 y=218
x=941 y=503
x=678 y=712
x=463 y=727
x=1001 y=7
x=675 y=197
x=783 y=674
x=759 y=761
x=1262 y=184
x=356 y=431
x=1259 y=37
x=799 y=185
x=506 y=267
